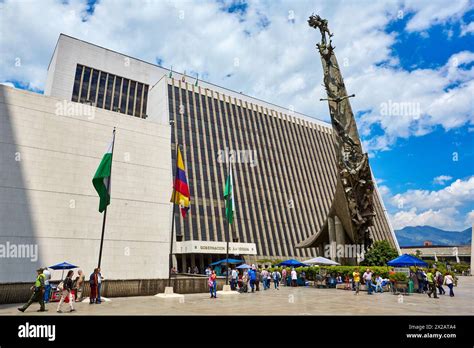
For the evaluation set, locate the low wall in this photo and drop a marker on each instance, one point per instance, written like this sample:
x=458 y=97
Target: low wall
x=20 y=292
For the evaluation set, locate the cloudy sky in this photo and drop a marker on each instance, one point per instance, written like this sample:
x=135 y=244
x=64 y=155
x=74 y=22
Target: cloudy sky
x=410 y=64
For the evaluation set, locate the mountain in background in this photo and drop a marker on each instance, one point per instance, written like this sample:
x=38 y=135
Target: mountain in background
x=416 y=235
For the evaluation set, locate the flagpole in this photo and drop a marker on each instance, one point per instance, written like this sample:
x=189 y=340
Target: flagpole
x=170 y=261
x=105 y=210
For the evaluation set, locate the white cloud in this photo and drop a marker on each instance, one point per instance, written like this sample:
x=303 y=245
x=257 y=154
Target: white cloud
x=434 y=12
x=458 y=193
x=467 y=29
x=442 y=179
x=447 y=208
x=445 y=218
x=277 y=63
x=470 y=218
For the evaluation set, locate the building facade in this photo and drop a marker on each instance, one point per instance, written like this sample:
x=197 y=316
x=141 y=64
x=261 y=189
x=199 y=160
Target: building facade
x=283 y=165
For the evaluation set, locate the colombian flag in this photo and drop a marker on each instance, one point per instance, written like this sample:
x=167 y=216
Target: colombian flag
x=180 y=188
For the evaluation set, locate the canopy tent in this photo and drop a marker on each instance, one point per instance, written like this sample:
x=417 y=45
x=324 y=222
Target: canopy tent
x=292 y=263
x=321 y=261
x=226 y=261
x=406 y=260
x=244 y=266
x=63 y=265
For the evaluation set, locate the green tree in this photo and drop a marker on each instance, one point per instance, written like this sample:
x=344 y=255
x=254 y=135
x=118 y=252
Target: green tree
x=379 y=254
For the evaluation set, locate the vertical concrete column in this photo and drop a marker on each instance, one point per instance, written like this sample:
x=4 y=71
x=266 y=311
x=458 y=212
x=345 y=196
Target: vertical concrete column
x=340 y=237
x=201 y=263
x=183 y=263
x=332 y=238
x=193 y=261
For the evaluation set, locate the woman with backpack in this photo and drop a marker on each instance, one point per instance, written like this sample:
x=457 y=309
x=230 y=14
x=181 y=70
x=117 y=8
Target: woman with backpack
x=66 y=287
x=439 y=283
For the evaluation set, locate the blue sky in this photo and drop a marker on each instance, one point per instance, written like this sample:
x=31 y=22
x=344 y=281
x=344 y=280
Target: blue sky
x=392 y=53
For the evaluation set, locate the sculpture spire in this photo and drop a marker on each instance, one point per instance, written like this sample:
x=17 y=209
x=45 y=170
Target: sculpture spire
x=353 y=199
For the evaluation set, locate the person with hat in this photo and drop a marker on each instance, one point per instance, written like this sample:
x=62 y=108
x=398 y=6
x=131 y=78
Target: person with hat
x=38 y=290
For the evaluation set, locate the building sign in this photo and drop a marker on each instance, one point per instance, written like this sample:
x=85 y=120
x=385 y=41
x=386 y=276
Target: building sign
x=201 y=247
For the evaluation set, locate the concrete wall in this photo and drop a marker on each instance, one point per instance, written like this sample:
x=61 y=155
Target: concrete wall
x=47 y=161
x=20 y=292
x=70 y=51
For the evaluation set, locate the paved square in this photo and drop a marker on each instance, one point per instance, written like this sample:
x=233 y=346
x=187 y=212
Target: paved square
x=286 y=301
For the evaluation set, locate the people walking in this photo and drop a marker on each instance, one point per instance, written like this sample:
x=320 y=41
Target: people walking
x=258 y=279
x=212 y=282
x=276 y=279
x=252 y=277
x=294 y=277
x=449 y=281
x=431 y=284
x=368 y=280
x=269 y=279
x=421 y=282
x=283 y=276
x=37 y=295
x=378 y=284
x=439 y=282
x=93 y=286
x=99 y=286
x=66 y=291
x=234 y=279
x=47 y=286
x=356 y=280
x=80 y=282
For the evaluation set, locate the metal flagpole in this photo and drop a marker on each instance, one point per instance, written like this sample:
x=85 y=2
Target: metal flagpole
x=105 y=211
x=172 y=222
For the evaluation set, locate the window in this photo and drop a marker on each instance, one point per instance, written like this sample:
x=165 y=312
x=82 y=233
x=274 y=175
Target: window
x=101 y=94
x=85 y=84
x=118 y=86
x=131 y=97
x=123 y=104
x=77 y=83
x=93 y=89
x=109 y=91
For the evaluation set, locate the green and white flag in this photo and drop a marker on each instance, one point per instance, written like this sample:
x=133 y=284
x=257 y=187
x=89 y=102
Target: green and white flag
x=229 y=197
x=101 y=180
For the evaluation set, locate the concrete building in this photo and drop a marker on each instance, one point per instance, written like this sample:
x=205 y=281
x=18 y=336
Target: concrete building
x=51 y=145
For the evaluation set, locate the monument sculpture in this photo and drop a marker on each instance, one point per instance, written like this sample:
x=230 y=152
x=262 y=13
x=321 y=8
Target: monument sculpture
x=352 y=206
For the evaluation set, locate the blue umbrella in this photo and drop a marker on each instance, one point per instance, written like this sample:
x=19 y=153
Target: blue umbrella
x=292 y=263
x=231 y=261
x=406 y=260
x=63 y=265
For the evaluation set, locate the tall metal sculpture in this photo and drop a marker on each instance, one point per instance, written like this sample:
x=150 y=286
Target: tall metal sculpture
x=353 y=200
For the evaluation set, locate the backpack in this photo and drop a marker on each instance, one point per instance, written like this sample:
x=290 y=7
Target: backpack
x=91 y=279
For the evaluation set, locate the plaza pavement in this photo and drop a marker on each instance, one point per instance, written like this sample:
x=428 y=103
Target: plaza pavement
x=286 y=301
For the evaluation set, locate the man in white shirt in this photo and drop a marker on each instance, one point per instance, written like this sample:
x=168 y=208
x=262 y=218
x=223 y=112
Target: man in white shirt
x=233 y=284
x=294 y=277
x=368 y=281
